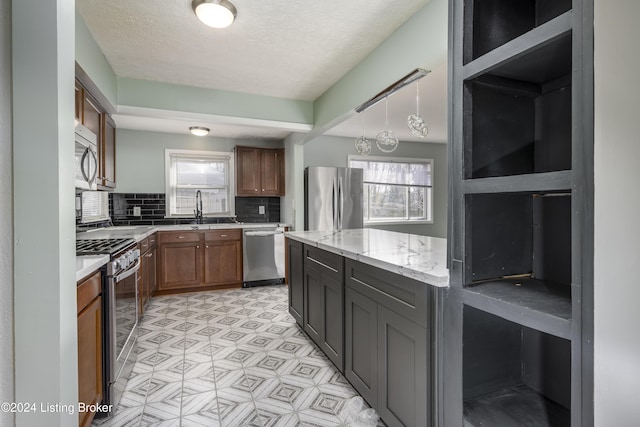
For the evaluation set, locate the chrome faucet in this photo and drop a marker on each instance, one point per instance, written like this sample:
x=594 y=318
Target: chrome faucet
x=198 y=211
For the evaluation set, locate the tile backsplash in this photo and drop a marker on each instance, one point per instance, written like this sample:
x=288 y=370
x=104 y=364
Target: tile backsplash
x=153 y=210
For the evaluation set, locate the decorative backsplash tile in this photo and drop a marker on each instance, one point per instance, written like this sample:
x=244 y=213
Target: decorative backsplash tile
x=153 y=210
x=248 y=209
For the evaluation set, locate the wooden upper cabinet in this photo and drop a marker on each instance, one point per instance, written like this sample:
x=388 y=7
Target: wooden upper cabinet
x=259 y=172
x=248 y=171
x=79 y=107
x=272 y=172
x=107 y=148
x=91 y=115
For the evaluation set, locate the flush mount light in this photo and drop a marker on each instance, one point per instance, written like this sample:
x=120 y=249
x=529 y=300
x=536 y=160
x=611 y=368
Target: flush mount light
x=215 y=13
x=199 y=130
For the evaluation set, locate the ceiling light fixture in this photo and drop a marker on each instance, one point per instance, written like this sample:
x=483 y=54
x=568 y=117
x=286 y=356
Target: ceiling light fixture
x=215 y=13
x=199 y=130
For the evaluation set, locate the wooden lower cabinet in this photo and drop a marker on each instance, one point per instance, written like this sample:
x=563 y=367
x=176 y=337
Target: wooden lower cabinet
x=324 y=302
x=147 y=283
x=89 y=345
x=223 y=262
x=402 y=370
x=296 y=280
x=197 y=260
x=361 y=337
x=387 y=342
x=181 y=265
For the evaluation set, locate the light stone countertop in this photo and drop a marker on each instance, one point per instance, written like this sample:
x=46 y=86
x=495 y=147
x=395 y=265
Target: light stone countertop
x=141 y=232
x=422 y=258
x=87 y=264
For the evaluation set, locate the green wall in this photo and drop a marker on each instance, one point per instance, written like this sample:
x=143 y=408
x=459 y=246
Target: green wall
x=140 y=156
x=333 y=151
x=421 y=42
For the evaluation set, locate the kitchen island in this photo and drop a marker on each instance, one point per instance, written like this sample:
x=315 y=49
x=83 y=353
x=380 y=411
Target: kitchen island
x=372 y=301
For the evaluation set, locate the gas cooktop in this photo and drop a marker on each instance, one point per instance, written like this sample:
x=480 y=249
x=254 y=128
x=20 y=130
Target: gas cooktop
x=102 y=246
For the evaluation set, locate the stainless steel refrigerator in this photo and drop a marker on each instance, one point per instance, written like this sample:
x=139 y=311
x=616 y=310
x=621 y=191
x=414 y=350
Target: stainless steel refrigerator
x=332 y=198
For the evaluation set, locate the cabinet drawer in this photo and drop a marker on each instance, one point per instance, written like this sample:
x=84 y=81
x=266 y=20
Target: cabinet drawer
x=333 y=264
x=178 y=236
x=152 y=240
x=143 y=245
x=233 y=234
x=407 y=297
x=88 y=290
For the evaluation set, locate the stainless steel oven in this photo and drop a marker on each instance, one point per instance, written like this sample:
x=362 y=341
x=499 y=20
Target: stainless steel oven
x=120 y=296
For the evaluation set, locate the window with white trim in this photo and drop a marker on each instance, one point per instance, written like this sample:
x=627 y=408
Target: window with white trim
x=95 y=206
x=396 y=190
x=211 y=172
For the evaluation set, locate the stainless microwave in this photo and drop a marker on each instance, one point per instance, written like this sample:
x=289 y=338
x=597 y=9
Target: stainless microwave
x=86 y=158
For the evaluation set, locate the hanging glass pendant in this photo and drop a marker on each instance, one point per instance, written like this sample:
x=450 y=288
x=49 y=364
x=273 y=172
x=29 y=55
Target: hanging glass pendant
x=387 y=140
x=363 y=145
x=416 y=124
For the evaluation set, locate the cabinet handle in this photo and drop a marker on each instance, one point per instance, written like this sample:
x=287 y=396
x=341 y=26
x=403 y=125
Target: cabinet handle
x=263 y=189
x=207 y=246
x=149 y=255
x=223 y=235
x=255 y=189
x=180 y=237
x=198 y=247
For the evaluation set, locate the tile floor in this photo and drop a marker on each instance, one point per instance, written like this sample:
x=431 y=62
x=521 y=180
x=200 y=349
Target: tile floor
x=229 y=358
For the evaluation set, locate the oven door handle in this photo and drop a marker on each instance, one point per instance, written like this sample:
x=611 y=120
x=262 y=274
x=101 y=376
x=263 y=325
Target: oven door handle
x=131 y=271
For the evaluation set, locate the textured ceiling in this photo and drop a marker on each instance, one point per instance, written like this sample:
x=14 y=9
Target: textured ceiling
x=284 y=48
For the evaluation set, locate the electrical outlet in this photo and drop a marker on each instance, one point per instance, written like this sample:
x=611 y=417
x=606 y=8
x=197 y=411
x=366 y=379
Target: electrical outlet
x=261 y=210
x=136 y=211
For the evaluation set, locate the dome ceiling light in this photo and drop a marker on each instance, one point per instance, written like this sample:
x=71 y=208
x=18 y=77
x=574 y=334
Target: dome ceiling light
x=199 y=130
x=215 y=13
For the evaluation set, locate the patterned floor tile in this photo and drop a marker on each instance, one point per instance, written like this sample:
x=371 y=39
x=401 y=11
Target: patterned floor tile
x=201 y=419
x=229 y=358
x=156 y=412
x=201 y=402
x=240 y=414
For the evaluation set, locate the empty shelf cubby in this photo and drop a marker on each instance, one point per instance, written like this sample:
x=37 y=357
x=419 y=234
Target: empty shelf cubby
x=492 y=23
x=513 y=375
x=518 y=258
x=519 y=115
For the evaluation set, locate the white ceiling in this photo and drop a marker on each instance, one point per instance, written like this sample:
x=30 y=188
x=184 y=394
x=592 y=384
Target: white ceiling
x=293 y=49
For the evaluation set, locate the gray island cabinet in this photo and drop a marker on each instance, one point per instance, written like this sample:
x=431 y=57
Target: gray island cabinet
x=354 y=299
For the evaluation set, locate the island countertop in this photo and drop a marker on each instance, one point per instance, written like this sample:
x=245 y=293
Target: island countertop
x=422 y=258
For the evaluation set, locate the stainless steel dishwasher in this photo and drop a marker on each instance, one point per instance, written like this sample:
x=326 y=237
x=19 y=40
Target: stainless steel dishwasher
x=263 y=256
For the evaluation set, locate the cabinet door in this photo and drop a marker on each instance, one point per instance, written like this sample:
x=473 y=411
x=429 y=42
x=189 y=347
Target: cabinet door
x=79 y=98
x=361 y=344
x=402 y=369
x=272 y=172
x=323 y=312
x=222 y=262
x=296 y=280
x=181 y=265
x=152 y=272
x=107 y=171
x=313 y=310
x=91 y=114
x=90 y=358
x=143 y=291
x=248 y=171
x=332 y=301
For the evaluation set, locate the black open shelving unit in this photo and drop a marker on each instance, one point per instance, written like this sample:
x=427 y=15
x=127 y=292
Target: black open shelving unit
x=518 y=329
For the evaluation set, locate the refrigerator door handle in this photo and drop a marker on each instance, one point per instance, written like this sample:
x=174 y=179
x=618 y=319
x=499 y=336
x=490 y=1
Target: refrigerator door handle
x=334 y=206
x=340 y=202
